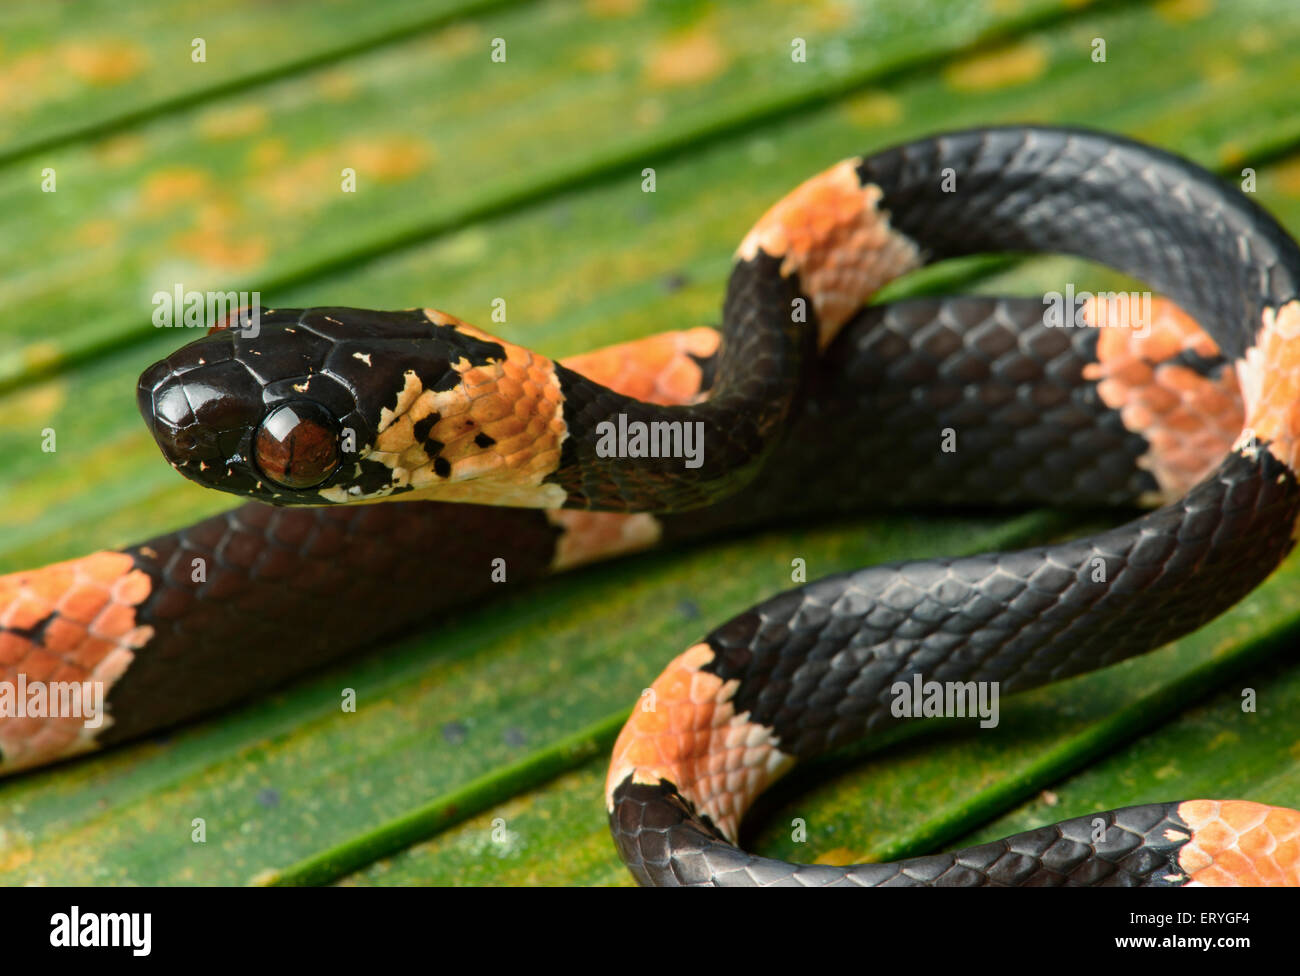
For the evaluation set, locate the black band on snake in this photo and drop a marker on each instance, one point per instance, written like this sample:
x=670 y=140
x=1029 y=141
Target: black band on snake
x=790 y=406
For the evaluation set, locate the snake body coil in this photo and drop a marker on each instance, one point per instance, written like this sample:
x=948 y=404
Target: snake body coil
x=326 y=407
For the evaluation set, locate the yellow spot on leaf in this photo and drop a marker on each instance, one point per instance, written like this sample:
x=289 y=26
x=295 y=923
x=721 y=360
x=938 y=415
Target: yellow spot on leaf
x=222 y=253
x=104 y=62
x=221 y=239
x=470 y=246
x=40 y=354
x=686 y=59
x=337 y=85
x=267 y=153
x=838 y=856
x=37 y=405
x=299 y=183
x=1287 y=177
x=1181 y=11
x=96 y=233
x=873 y=109
x=827 y=17
x=306 y=182
x=13 y=855
x=1224 y=738
x=1221 y=69
x=1231 y=153
x=649 y=112
x=613 y=8
x=387 y=160
x=120 y=150
x=600 y=58
x=1014 y=64
x=459 y=40
x=167 y=188
x=1256 y=39
x=232 y=123
x=24 y=78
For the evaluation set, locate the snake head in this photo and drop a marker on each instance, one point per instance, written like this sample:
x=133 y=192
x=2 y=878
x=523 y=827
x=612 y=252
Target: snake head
x=290 y=413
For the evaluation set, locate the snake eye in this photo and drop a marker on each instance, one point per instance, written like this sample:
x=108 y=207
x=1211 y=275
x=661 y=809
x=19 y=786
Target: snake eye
x=297 y=445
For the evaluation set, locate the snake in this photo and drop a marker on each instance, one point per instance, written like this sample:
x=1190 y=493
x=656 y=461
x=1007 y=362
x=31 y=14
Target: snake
x=806 y=399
